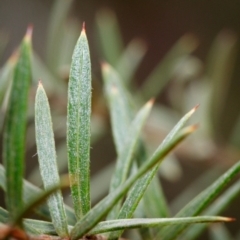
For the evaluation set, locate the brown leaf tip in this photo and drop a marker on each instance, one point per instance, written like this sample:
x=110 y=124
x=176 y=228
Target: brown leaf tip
x=83 y=27
x=193 y=127
x=28 y=35
x=151 y=102
x=105 y=66
x=39 y=83
x=193 y=110
x=230 y=219
x=196 y=107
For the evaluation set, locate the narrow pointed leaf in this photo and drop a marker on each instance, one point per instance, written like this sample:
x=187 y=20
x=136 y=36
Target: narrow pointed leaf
x=78 y=126
x=47 y=160
x=96 y=214
x=120 y=106
x=201 y=202
x=30 y=226
x=123 y=224
x=15 y=128
x=216 y=207
x=37 y=200
x=29 y=191
x=125 y=158
x=42 y=227
x=141 y=185
x=122 y=111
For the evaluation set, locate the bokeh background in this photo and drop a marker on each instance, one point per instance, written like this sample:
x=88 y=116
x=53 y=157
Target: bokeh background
x=191 y=46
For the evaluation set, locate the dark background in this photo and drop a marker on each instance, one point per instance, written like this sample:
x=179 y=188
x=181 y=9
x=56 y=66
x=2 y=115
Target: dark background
x=159 y=23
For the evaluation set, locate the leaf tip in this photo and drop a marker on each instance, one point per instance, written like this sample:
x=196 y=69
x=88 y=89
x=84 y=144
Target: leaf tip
x=193 y=128
x=196 y=107
x=28 y=35
x=193 y=110
x=228 y=219
x=40 y=83
x=150 y=102
x=83 y=27
x=105 y=66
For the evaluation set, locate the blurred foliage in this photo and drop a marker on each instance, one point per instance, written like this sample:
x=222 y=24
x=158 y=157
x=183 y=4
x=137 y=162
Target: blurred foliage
x=180 y=78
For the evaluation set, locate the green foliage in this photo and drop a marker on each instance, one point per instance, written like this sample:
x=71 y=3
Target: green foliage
x=15 y=128
x=134 y=182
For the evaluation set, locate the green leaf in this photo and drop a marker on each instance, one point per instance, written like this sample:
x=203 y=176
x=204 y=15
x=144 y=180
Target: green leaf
x=37 y=200
x=15 y=128
x=42 y=227
x=215 y=208
x=102 y=208
x=201 y=202
x=125 y=158
x=47 y=160
x=29 y=191
x=123 y=224
x=78 y=126
x=30 y=225
x=141 y=185
x=120 y=105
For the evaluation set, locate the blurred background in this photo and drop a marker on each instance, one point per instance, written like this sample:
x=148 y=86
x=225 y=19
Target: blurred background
x=182 y=53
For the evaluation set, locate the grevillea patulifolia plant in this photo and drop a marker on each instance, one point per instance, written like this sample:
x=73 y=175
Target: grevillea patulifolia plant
x=133 y=173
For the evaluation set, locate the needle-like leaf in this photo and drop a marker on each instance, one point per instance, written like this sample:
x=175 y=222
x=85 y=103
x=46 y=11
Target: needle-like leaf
x=201 y=202
x=216 y=207
x=29 y=191
x=120 y=106
x=78 y=126
x=15 y=128
x=94 y=216
x=123 y=224
x=141 y=185
x=47 y=160
x=125 y=158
